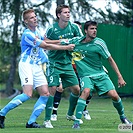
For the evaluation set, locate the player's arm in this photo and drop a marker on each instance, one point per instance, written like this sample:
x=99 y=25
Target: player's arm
x=51 y=41
x=56 y=47
x=36 y=42
x=121 y=81
x=61 y=41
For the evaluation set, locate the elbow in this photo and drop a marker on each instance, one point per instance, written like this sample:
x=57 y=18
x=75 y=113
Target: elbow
x=110 y=59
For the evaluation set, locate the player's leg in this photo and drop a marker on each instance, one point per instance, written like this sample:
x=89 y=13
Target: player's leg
x=73 y=99
x=53 y=81
x=38 y=107
x=15 y=102
x=85 y=111
x=57 y=99
x=41 y=85
x=27 y=84
x=117 y=102
x=49 y=108
x=80 y=107
x=105 y=86
x=69 y=80
x=85 y=89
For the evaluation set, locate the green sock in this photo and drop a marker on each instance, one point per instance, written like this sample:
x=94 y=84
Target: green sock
x=80 y=107
x=49 y=108
x=72 y=103
x=118 y=105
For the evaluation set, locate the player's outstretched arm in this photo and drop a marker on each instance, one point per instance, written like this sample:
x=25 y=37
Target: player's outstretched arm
x=47 y=46
x=52 y=41
x=61 y=41
x=121 y=81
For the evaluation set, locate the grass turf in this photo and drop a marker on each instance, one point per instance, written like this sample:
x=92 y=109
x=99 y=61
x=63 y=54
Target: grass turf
x=104 y=117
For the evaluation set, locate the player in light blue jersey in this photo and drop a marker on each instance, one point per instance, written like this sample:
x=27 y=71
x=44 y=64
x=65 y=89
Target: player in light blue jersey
x=30 y=71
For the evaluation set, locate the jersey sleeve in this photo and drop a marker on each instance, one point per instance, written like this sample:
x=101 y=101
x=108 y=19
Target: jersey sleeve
x=49 y=32
x=31 y=39
x=102 y=48
x=78 y=31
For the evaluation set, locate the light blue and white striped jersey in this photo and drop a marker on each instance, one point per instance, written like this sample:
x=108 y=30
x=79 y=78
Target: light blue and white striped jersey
x=30 y=50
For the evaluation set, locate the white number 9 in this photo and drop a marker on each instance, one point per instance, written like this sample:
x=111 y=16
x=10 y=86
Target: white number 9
x=51 y=79
x=82 y=84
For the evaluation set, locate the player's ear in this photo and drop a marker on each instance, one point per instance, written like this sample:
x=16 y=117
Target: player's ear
x=26 y=21
x=85 y=31
x=58 y=15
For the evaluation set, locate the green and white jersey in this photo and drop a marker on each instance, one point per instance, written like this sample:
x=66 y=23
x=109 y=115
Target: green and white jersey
x=88 y=56
x=55 y=33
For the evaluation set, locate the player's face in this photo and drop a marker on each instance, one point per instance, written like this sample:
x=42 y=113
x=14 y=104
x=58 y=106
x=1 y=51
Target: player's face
x=64 y=15
x=31 y=20
x=91 y=32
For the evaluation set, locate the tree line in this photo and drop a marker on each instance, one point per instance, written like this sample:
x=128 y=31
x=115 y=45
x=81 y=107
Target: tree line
x=12 y=27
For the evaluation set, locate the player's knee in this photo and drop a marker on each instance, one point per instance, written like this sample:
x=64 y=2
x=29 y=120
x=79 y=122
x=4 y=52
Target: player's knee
x=52 y=90
x=60 y=89
x=85 y=93
x=114 y=95
x=76 y=92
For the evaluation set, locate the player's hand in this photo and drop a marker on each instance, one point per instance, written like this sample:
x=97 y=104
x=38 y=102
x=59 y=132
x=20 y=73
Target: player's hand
x=70 y=47
x=121 y=82
x=45 y=38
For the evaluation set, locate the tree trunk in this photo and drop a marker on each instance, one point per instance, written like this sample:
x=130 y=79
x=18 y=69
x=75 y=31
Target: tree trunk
x=10 y=81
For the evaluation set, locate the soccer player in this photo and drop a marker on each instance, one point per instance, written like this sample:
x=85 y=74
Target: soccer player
x=60 y=64
x=59 y=91
x=89 y=51
x=30 y=72
x=85 y=111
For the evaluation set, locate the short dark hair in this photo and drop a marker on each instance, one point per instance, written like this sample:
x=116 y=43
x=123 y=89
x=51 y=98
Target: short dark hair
x=59 y=9
x=88 y=23
x=77 y=22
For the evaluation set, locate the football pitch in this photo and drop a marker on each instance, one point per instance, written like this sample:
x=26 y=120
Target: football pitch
x=104 y=117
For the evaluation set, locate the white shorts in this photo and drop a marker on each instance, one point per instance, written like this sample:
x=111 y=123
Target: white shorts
x=31 y=74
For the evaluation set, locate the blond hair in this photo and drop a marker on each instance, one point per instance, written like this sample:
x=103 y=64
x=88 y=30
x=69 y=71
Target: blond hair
x=26 y=12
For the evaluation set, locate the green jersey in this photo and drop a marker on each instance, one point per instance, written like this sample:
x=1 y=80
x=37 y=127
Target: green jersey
x=55 y=33
x=88 y=56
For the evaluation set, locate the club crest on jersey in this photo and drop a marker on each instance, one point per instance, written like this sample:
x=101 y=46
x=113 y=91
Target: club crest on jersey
x=77 y=56
x=60 y=37
x=35 y=50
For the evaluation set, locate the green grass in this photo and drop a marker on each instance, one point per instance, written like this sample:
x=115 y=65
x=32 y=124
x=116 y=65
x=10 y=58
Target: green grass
x=104 y=117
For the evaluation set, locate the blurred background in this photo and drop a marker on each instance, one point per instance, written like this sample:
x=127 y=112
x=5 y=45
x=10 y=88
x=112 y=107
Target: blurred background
x=115 y=18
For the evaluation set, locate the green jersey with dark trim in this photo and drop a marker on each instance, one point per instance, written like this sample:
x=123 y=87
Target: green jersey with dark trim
x=55 y=33
x=88 y=56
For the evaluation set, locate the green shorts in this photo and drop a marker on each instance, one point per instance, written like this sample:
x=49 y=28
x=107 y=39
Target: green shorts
x=66 y=72
x=102 y=84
